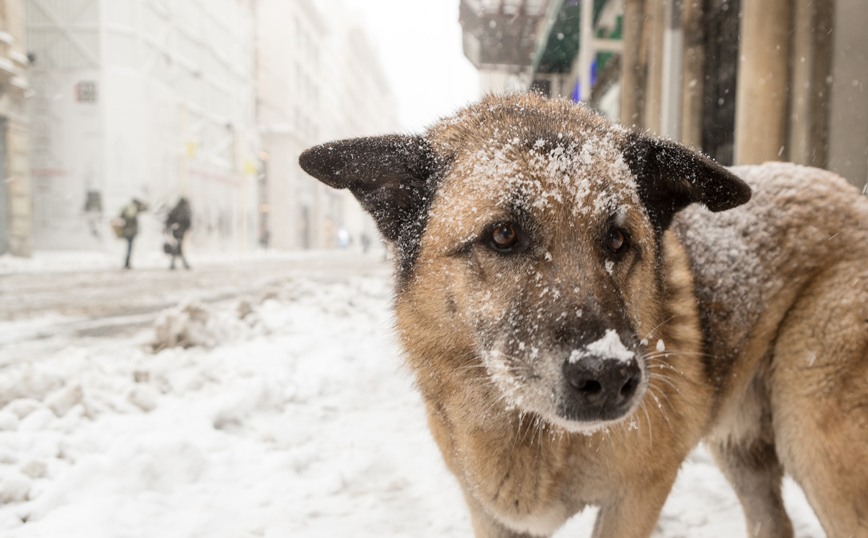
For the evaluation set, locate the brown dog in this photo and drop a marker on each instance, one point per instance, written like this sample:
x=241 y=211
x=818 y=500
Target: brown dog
x=576 y=326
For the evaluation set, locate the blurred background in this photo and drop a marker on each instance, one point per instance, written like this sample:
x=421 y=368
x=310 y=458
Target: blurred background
x=104 y=101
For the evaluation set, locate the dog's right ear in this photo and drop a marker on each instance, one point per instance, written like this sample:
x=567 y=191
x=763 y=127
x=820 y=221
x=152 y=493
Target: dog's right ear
x=391 y=176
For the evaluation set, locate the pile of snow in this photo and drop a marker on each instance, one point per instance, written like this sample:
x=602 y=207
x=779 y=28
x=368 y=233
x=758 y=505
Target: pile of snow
x=192 y=324
x=301 y=424
x=607 y=347
x=303 y=427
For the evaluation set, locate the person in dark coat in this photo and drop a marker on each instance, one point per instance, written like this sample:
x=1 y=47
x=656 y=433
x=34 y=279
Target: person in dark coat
x=130 y=217
x=177 y=223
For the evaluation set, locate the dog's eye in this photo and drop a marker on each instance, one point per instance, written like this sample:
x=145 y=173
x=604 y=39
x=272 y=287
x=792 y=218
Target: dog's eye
x=504 y=236
x=616 y=241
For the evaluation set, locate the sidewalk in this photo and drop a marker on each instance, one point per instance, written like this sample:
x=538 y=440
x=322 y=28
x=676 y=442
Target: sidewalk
x=66 y=261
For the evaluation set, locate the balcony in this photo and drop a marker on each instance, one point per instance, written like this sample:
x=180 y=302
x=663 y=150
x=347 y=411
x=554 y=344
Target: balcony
x=501 y=35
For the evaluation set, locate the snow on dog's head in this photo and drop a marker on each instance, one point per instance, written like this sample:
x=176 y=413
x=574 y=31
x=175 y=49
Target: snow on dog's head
x=528 y=234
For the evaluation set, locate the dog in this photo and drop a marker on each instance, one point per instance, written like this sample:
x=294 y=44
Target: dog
x=582 y=304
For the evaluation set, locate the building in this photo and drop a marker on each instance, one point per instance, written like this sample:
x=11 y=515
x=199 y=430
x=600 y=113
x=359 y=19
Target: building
x=148 y=99
x=319 y=80
x=500 y=39
x=15 y=203
x=746 y=81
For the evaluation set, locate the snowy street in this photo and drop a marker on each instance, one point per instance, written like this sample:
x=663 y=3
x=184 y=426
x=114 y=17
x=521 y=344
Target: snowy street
x=256 y=397
x=70 y=295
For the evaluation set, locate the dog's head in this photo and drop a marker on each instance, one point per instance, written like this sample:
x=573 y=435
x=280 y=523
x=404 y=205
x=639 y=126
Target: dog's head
x=528 y=237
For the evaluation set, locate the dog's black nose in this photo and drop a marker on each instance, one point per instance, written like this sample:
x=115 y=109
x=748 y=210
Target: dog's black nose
x=602 y=386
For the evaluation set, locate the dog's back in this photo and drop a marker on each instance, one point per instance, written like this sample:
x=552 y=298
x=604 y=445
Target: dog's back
x=782 y=288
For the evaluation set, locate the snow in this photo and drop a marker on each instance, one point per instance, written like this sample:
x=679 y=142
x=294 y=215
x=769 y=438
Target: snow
x=297 y=420
x=607 y=347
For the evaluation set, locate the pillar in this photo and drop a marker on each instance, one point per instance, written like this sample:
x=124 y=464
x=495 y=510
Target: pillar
x=763 y=76
x=633 y=65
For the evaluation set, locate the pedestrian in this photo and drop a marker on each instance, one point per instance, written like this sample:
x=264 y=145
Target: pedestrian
x=93 y=211
x=177 y=223
x=130 y=224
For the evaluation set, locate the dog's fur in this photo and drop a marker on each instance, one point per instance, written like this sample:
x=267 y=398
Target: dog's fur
x=747 y=328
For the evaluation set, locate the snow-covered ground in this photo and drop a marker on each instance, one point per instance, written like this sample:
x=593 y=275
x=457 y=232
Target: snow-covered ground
x=289 y=415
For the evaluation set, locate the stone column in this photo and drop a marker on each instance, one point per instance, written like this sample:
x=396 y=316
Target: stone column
x=810 y=88
x=633 y=65
x=694 y=79
x=672 y=97
x=655 y=25
x=763 y=76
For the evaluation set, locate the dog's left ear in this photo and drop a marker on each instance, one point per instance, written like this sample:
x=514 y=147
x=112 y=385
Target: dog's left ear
x=391 y=176
x=670 y=176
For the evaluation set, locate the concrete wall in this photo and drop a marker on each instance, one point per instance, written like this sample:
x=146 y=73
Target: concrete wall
x=66 y=142
x=18 y=185
x=848 y=121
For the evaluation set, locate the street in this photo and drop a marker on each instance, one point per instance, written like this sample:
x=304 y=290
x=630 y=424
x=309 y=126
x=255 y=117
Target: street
x=40 y=310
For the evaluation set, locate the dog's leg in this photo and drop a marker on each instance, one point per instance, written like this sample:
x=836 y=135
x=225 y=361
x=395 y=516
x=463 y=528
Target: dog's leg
x=744 y=449
x=820 y=399
x=753 y=470
x=635 y=513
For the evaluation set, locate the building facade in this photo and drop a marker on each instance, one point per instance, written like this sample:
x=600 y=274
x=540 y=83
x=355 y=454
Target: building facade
x=746 y=81
x=319 y=79
x=147 y=99
x=15 y=186
x=790 y=88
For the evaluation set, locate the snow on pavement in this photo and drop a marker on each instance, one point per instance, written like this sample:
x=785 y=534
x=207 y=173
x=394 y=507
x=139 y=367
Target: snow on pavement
x=295 y=418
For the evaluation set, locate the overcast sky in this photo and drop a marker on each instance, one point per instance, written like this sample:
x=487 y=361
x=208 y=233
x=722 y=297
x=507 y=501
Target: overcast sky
x=420 y=48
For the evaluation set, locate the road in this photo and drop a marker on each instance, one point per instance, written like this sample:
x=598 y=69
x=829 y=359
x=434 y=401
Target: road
x=39 y=311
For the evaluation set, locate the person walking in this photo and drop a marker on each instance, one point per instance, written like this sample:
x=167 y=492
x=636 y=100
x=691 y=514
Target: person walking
x=178 y=222
x=130 y=225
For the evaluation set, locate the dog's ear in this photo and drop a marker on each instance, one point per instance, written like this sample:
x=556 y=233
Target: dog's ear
x=391 y=176
x=670 y=176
